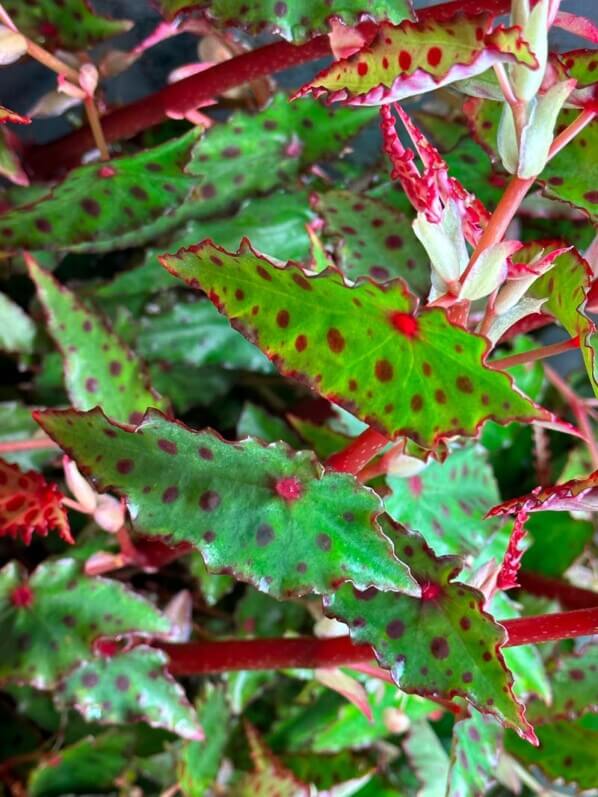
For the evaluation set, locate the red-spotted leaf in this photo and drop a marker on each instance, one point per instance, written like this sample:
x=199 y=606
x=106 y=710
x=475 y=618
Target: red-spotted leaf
x=133 y=686
x=99 y=369
x=581 y=65
x=269 y=777
x=571 y=176
x=446 y=501
x=373 y=238
x=49 y=620
x=30 y=505
x=413 y=58
x=442 y=644
x=573 y=684
x=63 y=24
x=566 y=287
x=293 y=20
x=474 y=755
x=567 y=752
x=6 y=115
x=312 y=326
x=301 y=529
x=576 y=495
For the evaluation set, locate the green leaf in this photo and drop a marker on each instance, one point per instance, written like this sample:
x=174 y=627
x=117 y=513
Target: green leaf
x=97 y=208
x=99 y=369
x=442 y=644
x=447 y=501
x=566 y=287
x=373 y=239
x=10 y=163
x=195 y=334
x=474 y=755
x=17 y=330
x=254 y=421
x=199 y=762
x=132 y=686
x=571 y=176
x=573 y=686
x=311 y=325
x=63 y=24
x=413 y=58
x=49 y=620
x=428 y=759
x=300 y=529
x=567 y=750
x=557 y=541
x=294 y=21
x=211 y=586
x=524 y=661
x=269 y=777
x=90 y=766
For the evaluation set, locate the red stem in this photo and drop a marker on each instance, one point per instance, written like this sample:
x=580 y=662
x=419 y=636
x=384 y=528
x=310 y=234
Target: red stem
x=186 y=95
x=358 y=453
x=568 y=596
x=201 y=658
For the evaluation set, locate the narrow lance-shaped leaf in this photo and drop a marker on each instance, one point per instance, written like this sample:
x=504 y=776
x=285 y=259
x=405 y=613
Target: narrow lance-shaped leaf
x=309 y=326
x=98 y=367
x=30 y=505
x=17 y=330
x=133 y=686
x=300 y=530
x=63 y=24
x=576 y=495
x=6 y=115
x=269 y=776
x=442 y=644
x=49 y=620
x=413 y=58
x=294 y=21
x=373 y=238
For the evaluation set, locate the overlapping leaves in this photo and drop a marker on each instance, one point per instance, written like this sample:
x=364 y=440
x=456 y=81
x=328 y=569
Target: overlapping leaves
x=442 y=644
x=301 y=529
x=99 y=369
x=419 y=376
x=49 y=620
x=413 y=58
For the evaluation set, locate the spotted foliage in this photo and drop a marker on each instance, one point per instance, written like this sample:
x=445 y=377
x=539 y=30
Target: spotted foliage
x=309 y=326
x=30 y=505
x=270 y=776
x=570 y=176
x=63 y=24
x=413 y=58
x=99 y=369
x=573 y=684
x=576 y=495
x=49 y=620
x=294 y=21
x=301 y=530
x=6 y=115
x=442 y=644
x=371 y=238
x=474 y=755
x=446 y=502
x=133 y=686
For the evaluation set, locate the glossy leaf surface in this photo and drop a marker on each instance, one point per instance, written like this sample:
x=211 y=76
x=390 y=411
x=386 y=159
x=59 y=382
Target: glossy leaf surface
x=474 y=754
x=413 y=58
x=573 y=684
x=129 y=687
x=575 y=495
x=299 y=528
x=442 y=644
x=373 y=239
x=49 y=620
x=99 y=369
x=30 y=505
x=17 y=330
x=310 y=325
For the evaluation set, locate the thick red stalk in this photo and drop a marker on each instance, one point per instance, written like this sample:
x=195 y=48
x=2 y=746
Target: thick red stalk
x=201 y=658
x=358 y=453
x=49 y=159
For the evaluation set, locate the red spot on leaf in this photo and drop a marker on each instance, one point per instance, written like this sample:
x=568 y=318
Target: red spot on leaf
x=405 y=323
x=434 y=56
x=289 y=488
x=22 y=596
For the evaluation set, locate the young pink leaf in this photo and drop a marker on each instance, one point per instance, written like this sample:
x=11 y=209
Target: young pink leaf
x=507 y=576
x=416 y=57
x=310 y=326
x=6 y=115
x=30 y=505
x=576 y=495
